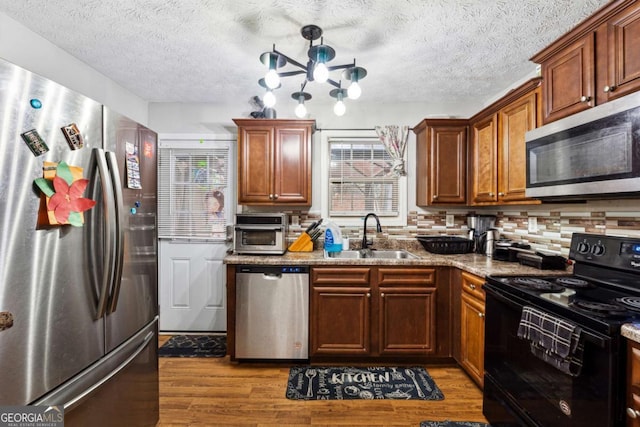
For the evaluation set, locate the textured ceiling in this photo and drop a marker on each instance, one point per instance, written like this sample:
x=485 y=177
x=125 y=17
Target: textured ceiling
x=207 y=50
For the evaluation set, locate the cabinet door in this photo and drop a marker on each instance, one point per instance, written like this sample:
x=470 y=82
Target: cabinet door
x=568 y=80
x=255 y=164
x=485 y=161
x=633 y=384
x=514 y=121
x=407 y=313
x=472 y=335
x=292 y=174
x=340 y=321
x=623 y=58
x=448 y=164
x=407 y=320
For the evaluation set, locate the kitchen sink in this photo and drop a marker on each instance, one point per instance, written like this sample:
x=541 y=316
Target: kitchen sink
x=374 y=254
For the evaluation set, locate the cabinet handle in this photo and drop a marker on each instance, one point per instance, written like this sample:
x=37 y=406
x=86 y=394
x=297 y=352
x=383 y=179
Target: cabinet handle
x=368 y=295
x=382 y=295
x=480 y=315
x=435 y=196
x=500 y=194
x=270 y=196
x=585 y=98
x=275 y=196
x=609 y=88
x=632 y=413
x=473 y=287
x=491 y=194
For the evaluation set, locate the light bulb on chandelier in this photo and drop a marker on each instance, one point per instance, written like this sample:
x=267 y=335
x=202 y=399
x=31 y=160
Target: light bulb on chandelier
x=316 y=70
x=269 y=99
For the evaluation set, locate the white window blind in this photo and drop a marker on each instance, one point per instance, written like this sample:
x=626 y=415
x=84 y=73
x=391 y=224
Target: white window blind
x=192 y=189
x=361 y=178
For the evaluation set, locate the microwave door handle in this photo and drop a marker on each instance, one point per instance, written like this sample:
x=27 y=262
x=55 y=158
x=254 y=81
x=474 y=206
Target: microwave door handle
x=109 y=235
x=114 y=174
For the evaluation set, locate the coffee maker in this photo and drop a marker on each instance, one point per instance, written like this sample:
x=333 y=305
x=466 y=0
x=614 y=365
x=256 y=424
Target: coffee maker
x=481 y=230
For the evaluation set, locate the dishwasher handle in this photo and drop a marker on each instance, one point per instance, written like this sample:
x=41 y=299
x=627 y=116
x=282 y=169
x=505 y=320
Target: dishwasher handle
x=272 y=276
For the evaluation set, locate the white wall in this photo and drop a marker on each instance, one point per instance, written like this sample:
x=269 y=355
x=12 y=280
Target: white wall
x=23 y=47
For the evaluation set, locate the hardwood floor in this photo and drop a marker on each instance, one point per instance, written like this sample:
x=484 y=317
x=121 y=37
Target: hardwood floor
x=215 y=392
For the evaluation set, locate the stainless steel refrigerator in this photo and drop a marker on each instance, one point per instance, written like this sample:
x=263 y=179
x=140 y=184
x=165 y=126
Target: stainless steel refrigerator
x=78 y=304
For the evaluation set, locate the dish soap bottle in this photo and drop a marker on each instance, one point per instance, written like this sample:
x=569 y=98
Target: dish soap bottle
x=332 y=238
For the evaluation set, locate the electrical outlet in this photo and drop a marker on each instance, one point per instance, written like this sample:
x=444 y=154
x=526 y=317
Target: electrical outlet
x=449 y=220
x=533 y=224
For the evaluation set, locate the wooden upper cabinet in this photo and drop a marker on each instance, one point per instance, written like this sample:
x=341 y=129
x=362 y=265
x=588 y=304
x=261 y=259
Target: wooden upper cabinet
x=569 y=80
x=514 y=121
x=595 y=62
x=498 y=152
x=441 y=161
x=274 y=161
x=485 y=160
x=623 y=44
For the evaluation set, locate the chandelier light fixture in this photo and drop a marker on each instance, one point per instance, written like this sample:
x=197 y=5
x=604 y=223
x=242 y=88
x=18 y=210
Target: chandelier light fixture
x=316 y=69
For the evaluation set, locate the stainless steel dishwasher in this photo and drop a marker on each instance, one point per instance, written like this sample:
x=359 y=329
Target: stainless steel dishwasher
x=272 y=312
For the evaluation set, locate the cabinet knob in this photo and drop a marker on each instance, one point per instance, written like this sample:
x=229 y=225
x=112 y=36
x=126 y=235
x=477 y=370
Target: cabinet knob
x=275 y=196
x=608 y=89
x=491 y=194
x=500 y=194
x=585 y=98
x=480 y=315
x=368 y=295
x=382 y=295
x=435 y=196
x=632 y=413
x=270 y=196
x=473 y=287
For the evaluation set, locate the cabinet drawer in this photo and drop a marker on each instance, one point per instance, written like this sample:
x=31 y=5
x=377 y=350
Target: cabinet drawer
x=406 y=276
x=473 y=285
x=340 y=275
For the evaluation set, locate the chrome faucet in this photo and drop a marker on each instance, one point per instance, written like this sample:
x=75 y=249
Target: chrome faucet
x=366 y=243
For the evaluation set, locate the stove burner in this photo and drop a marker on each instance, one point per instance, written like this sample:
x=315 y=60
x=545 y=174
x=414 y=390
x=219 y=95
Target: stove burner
x=537 y=284
x=601 y=309
x=573 y=283
x=632 y=303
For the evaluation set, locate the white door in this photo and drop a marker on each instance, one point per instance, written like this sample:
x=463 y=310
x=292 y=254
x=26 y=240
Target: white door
x=192 y=286
x=196 y=201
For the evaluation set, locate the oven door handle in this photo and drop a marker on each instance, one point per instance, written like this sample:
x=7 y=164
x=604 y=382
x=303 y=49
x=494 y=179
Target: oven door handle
x=258 y=228
x=518 y=303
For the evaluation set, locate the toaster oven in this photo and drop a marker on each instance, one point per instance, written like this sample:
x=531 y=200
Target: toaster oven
x=260 y=233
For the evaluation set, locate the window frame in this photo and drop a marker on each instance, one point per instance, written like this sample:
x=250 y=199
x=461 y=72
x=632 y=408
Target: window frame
x=355 y=220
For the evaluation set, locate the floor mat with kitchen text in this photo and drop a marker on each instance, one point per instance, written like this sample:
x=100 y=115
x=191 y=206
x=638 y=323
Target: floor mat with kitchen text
x=342 y=383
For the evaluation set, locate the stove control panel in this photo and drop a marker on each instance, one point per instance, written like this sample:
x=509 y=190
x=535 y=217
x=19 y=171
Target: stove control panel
x=609 y=251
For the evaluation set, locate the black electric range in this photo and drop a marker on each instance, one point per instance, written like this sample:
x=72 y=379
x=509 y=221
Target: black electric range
x=602 y=294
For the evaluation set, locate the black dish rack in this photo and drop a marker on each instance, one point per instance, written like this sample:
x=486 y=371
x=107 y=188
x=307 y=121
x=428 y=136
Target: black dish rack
x=446 y=244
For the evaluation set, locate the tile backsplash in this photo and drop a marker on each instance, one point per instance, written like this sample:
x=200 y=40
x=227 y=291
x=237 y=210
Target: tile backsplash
x=545 y=226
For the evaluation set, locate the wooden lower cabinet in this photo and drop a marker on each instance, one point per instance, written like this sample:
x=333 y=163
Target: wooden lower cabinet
x=472 y=327
x=633 y=384
x=373 y=312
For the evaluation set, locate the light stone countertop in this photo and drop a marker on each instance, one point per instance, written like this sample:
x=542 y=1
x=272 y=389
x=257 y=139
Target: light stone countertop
x=477 y=264
x=631 y=331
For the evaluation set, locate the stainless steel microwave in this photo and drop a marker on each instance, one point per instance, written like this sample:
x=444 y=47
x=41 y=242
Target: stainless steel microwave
x=590 y=154
x=260 y=233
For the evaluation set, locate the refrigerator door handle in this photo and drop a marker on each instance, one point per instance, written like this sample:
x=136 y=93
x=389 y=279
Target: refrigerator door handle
x=114 y=172
x=77 y=399
x=110 y=231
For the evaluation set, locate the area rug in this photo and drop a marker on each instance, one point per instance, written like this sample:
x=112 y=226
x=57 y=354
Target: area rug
x=452 y=424
x=194 y=346
x=342 y=383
